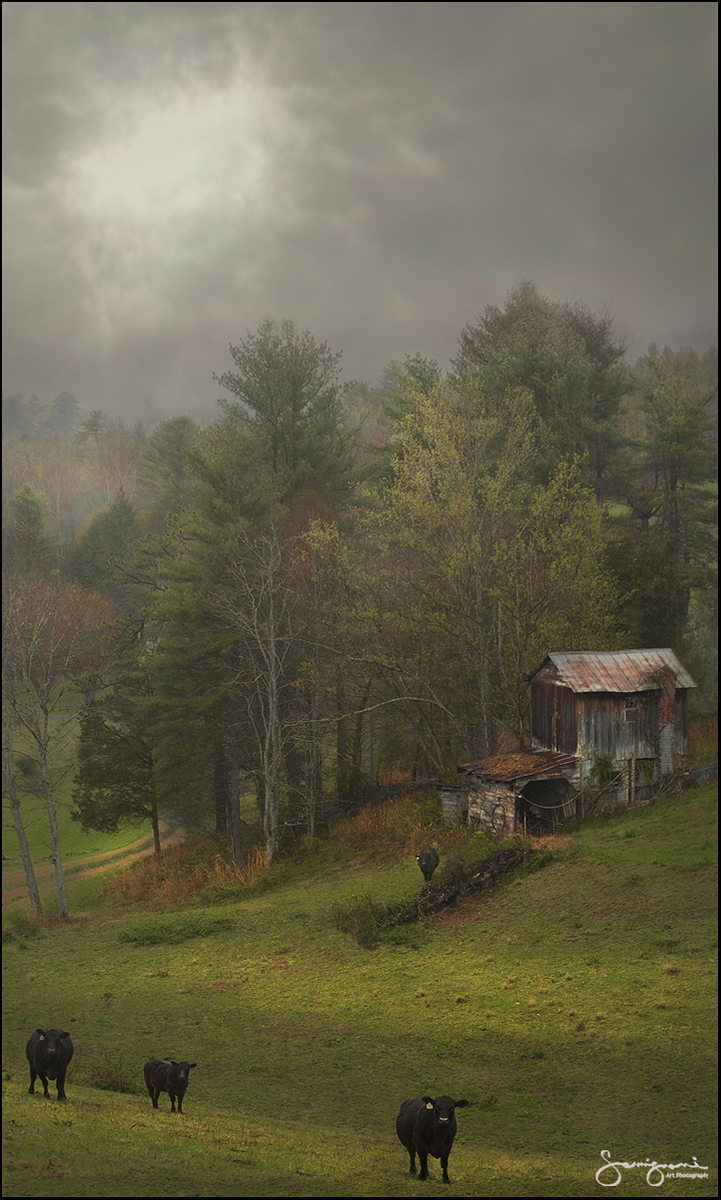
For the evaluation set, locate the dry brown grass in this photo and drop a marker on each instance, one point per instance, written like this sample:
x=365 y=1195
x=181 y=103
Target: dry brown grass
x=181 y=873
x=384 y=829
x=378 y=832
x=549 y=841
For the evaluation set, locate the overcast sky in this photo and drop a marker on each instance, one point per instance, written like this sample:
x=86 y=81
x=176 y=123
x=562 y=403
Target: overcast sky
x=174 y=172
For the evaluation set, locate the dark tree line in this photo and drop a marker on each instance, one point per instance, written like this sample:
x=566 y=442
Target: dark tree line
x=329 y=583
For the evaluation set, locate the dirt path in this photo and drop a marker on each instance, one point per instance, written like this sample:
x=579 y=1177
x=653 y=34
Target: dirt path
x=80 y=867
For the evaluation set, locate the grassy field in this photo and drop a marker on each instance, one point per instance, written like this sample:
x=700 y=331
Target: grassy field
x=574 y=1007
x=73 y=839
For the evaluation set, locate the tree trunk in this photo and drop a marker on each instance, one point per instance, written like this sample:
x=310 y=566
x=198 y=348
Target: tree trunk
x=293 y=771
x=236 y=832
x=314 y=767
x=483 y=672
x=221 y=791
x=341 y=745
x=55 y=841
x=272 y=747
x=156 y=828
x=42 y=740
x=28 y=871
x=10 y=790
x=357 y=773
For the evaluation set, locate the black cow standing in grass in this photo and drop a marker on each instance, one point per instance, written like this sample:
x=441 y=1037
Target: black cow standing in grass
x=167 y=1075
x=427 y=860
x=49 y=1051
x=428 y=1126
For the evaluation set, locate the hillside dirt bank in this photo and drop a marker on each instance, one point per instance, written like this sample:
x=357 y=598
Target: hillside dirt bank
x=79 y=867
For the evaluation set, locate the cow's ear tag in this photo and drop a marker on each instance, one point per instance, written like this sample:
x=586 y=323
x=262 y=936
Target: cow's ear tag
x=429 y=1106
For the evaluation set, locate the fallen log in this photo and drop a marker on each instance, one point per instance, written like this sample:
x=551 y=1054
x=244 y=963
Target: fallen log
x=464 y=880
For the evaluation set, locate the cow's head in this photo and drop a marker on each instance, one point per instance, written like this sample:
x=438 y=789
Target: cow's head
x=51 y=1039
x=444 y=1107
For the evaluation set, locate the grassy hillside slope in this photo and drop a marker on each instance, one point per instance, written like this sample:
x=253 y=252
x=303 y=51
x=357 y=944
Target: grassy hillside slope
x=573 y=1006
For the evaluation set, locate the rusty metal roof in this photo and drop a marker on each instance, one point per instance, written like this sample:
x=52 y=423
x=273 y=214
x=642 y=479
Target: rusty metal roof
x=616 y=670
x=517 y=764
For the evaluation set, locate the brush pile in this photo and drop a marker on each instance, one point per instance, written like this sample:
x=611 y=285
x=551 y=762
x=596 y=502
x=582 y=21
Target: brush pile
x=458 y=879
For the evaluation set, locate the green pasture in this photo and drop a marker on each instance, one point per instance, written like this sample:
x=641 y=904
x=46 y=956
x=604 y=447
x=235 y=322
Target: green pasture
x=574 y=1007
x=73 y=840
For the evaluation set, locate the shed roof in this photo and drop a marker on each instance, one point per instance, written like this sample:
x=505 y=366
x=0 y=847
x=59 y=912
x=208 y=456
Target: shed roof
x=518 y=764
x=616 y=670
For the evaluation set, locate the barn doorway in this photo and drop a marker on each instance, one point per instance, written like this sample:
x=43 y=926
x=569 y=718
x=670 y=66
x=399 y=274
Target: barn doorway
x=543 y=805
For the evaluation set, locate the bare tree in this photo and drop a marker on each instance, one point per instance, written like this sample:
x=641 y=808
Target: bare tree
x=259 y=606
x=11 y=792
x=52 y=634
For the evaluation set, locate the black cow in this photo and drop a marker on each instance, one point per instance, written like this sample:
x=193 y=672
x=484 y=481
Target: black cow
x=429 y=1127
x=49 y=1051
x=427 y=860
x=167 y=1075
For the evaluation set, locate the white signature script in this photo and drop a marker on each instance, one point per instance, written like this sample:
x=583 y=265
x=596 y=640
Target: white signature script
x=654 y=1174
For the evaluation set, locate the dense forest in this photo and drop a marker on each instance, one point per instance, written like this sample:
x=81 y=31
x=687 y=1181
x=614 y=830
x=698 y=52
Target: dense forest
x=332 y=584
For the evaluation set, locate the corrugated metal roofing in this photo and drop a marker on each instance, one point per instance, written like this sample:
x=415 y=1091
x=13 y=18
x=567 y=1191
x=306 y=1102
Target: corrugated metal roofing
x=518 y=764
x=616 y=670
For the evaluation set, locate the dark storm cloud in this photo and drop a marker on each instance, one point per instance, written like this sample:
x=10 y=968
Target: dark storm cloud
x=378 y=172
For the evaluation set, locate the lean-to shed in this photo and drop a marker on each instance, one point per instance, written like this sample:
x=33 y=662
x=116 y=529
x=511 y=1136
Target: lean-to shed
x=617 y=716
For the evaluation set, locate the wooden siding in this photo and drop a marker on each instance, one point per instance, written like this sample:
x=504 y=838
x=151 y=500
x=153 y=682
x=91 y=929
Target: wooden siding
x=500 y=806
x=643 y=733
x=454 y=804
x=554 y=717
x=623 y=727
x=681 y=721
x=492 y=806
x=593 y=724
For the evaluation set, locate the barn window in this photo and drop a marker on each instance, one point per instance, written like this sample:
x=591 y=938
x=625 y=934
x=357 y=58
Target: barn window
x=630 y=712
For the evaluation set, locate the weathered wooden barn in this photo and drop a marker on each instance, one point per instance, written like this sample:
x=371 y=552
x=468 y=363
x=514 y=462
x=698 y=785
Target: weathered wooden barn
x=615 y=718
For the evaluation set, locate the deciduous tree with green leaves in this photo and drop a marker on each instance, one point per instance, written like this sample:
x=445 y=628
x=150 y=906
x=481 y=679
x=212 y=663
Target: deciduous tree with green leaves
x=491 y=567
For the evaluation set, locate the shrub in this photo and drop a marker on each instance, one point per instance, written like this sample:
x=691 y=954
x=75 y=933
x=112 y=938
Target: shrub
x=195 y=870
x=312 y=853
x=362 y=917
x=453 y=871
x=478 y=845
x=177 y=927
x=379 y=830
x=110 y=1075
x=22 y=926
x=601 y=769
